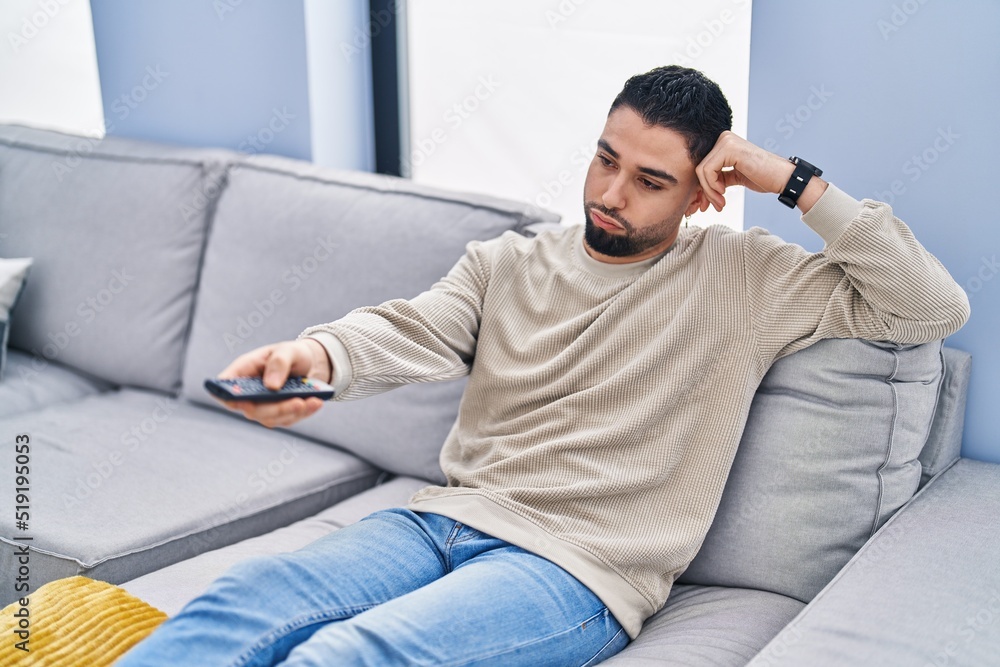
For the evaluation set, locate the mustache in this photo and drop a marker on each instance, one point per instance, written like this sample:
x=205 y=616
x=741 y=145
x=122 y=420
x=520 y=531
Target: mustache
x=608 y=213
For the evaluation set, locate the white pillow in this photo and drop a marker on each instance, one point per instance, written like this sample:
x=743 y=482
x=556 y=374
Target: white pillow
x=13 y=273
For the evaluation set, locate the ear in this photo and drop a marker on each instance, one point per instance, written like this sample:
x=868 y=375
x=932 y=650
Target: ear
x=699 y=202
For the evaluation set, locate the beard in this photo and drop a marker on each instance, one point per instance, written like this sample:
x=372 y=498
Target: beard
x=626 y=244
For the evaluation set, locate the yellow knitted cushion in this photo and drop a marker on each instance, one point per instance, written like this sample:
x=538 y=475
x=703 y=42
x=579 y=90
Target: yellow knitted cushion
x=76 y=621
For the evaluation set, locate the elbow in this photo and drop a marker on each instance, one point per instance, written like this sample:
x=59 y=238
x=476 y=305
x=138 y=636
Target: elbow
x=951 y=314
x=958 y=311
x=945 y=317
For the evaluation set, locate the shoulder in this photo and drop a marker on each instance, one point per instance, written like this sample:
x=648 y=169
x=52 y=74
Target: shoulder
x=749 y=240
x=512 y=248
x=714 y=238
x=719 y=245
x=551 y=238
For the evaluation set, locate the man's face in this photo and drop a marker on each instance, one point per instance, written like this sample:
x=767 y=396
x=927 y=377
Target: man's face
x=639 y=186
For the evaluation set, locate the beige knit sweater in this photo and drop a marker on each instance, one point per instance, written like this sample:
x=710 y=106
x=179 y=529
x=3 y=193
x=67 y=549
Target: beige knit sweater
x=606 y=401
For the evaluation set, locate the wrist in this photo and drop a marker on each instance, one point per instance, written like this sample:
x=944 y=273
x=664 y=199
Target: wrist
x=322 y=368
x=811 y=194
x=802 y=188
x=784 y=175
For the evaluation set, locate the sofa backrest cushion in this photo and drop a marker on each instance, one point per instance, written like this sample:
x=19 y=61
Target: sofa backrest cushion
x=944 y=444
x=13 y=273
x=294 y=245
x=116 y=229
x=828 y=454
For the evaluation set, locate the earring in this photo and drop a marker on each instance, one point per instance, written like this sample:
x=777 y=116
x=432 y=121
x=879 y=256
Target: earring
x=687 y=219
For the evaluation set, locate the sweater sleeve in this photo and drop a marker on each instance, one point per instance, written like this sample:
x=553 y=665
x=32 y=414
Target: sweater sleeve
x=428 y=338
x=873 y=280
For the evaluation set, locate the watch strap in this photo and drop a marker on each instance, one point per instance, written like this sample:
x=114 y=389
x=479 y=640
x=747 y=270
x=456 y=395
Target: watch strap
x=798 y=181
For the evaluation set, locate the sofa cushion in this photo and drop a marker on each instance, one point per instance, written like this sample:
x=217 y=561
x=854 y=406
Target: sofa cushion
x=707 y=625
x=173 y=587
x=129 y=481
x=944 y=444
x=828 y=454
x=293 y=245
x=13 y=273
x=116 y=228
x=32 y=383
x=925 y=591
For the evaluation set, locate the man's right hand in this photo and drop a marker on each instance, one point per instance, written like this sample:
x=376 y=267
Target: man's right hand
x=275 y=364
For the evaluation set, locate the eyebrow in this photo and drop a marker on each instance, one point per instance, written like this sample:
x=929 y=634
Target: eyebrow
x=658 y=173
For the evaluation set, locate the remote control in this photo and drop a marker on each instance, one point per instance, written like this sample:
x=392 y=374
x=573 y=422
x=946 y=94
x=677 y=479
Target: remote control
x=253 y=389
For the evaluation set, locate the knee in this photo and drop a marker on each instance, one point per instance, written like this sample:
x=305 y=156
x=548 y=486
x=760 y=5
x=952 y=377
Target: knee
x=257 y=573
x=255 y=568
x=349 y=643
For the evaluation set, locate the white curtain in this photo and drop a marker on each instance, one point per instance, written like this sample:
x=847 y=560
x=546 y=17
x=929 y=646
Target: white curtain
x=509 y=98
x=48 y=68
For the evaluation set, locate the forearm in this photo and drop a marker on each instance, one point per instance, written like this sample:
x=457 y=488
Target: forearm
x=380 y=348
x=905 y=285
x=428 y=338
x=907 y=289
x=873 y=280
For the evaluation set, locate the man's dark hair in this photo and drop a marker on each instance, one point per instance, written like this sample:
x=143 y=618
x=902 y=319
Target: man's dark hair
x=681 y=99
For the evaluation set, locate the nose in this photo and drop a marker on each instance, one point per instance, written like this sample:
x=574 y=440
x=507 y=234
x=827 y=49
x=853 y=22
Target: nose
x=614 y=196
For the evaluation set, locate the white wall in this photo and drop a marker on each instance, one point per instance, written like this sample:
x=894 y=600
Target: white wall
x=510 y=97
x=48 y=70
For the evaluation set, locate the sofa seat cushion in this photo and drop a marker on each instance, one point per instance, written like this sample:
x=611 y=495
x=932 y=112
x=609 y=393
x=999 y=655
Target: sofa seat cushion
x=294 y=245
x=173 y=587
x=33 y=382
x=127 y=482
x=116 y=228
x=709 y=625
x=924 y=591
x=829 y=452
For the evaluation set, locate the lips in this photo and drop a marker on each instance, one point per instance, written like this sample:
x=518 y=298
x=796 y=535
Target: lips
x=604 y=223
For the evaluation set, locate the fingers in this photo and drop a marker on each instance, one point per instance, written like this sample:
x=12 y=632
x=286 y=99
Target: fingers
x=273 y=363
x=709 y=175
x=278 y=366
x=735 y=161
x=247 y=365
x=282 y=413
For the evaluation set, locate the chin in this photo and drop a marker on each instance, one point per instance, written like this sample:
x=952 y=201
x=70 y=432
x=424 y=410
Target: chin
x=606 y=243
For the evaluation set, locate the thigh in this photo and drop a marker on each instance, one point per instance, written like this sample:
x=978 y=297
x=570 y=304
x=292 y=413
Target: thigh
x=262 y=607
x=505 y=607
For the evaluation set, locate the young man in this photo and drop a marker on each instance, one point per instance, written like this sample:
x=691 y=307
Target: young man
x=612 y=367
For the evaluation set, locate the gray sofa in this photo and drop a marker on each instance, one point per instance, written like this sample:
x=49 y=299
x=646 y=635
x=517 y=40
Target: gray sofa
x=850 y=532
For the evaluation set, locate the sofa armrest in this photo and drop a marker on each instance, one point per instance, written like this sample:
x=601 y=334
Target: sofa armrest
x=925 y=590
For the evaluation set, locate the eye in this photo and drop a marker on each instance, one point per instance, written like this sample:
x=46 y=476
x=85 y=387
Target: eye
x=649 y=185
x=605 y=161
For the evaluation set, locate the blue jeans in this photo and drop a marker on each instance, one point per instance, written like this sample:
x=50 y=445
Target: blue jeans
x=396 y=588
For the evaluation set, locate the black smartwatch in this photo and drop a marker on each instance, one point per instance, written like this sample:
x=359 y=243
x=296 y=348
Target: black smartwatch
x=797 y=183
